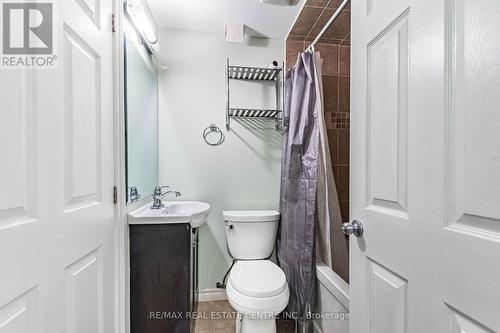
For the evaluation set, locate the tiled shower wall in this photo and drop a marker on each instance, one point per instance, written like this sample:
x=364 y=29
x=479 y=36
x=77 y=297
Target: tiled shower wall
x=336 y=88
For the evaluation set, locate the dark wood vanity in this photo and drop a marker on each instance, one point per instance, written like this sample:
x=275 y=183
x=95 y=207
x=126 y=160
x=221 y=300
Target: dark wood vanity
x=163 y=277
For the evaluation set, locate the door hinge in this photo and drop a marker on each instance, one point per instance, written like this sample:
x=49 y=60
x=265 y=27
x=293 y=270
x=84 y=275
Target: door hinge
x=113 y=23
x=115 y=195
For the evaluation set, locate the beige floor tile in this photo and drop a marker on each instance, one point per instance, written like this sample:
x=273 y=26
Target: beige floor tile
x=224 y=330
x=203 y=306
x=203 y=324
x=222 y=306
x=224 y=319
x=202 y=331
x=223 y=323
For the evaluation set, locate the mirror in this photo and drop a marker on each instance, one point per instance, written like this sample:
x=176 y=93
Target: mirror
x=141 y=119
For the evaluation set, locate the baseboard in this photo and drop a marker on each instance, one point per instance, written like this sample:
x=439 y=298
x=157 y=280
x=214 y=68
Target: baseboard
x=211 y=295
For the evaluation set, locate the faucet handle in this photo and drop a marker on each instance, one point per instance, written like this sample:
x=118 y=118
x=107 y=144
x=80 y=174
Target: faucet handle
x=134 y=195
x=158 y=189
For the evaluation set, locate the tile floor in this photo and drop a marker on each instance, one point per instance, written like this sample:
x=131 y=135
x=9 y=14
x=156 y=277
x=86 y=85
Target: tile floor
x=220 y=317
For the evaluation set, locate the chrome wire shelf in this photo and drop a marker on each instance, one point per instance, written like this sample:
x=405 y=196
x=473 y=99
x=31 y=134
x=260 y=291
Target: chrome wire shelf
x=253 y=74
x=255 y=113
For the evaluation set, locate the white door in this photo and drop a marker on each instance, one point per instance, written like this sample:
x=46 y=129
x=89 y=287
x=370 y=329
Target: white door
x=56 y=180
x=425 y=166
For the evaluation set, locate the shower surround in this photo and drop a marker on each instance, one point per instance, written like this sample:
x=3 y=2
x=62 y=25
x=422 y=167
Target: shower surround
x=334 y=48
x=335 y=52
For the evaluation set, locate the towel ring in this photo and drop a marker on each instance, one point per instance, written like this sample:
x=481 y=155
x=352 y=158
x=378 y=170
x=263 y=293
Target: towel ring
x=211 y=129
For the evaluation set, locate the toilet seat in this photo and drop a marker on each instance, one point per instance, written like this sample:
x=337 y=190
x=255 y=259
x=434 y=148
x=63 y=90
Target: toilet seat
x=257 y=278
x=257 y=286
x=251 y=305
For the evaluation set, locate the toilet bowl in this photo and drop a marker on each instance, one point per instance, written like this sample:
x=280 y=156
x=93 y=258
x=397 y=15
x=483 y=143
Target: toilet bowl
x=258 y=291
x=256 y=288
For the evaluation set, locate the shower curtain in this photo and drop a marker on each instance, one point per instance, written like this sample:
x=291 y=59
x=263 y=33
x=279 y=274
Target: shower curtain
x=307 y=187
x=331 y=246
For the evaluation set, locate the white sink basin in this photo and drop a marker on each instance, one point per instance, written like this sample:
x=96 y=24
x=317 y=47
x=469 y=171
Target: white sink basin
x=193 y=212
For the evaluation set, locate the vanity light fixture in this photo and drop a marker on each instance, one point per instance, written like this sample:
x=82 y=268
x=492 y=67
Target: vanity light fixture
x=281 y=2
x=143 y=21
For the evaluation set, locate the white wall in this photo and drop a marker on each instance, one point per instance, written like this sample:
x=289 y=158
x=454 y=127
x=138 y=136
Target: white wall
x=243 y=172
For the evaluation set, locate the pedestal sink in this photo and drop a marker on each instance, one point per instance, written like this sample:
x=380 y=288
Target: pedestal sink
x=193 y=212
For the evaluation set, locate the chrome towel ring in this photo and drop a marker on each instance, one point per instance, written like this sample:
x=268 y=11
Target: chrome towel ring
x=213 y=129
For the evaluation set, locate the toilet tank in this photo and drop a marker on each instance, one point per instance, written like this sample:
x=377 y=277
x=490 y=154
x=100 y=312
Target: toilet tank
x=251 y=235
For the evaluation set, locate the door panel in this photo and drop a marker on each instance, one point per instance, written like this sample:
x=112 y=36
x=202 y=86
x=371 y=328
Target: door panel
x=425 y=172
x=84 y=294
x=473 y=117
x=57 y=256
x=18 y=147
x=20 y=315
x=82 y=71
x=460 y=323
x=386 y=287
x=386 y=118
x=91 y=8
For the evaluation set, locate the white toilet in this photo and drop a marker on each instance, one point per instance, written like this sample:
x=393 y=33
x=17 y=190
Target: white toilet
x=256 y=287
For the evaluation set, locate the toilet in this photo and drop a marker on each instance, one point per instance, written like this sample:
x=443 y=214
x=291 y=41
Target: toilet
x=256 y=288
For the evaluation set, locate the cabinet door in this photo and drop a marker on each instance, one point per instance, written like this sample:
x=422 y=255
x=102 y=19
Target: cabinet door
x=160 y=278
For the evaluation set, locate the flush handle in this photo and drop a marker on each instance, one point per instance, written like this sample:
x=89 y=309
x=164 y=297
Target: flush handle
x=355 y=227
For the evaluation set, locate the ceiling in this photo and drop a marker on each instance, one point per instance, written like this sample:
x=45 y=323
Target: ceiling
x=211 y=15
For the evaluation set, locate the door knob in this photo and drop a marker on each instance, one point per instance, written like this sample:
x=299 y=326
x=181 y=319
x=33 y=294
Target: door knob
x=355 y=227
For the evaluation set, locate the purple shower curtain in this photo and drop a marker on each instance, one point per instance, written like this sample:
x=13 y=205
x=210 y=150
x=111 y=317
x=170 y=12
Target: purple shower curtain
x=299 y=175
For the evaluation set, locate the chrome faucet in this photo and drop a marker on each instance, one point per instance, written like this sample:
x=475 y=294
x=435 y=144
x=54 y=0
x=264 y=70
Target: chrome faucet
x=133 y=194
x=159 y=194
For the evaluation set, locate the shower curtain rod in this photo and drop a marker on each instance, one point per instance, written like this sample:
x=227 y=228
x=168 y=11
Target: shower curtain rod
x=329 y=23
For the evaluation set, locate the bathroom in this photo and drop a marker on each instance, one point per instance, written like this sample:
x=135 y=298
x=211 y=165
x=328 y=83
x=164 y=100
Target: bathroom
x=325 y=166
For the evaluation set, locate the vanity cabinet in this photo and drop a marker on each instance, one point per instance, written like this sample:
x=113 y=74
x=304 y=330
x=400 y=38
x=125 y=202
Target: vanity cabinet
x=163 y=277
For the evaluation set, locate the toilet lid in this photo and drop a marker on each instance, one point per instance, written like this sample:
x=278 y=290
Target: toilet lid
x=257 y=278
